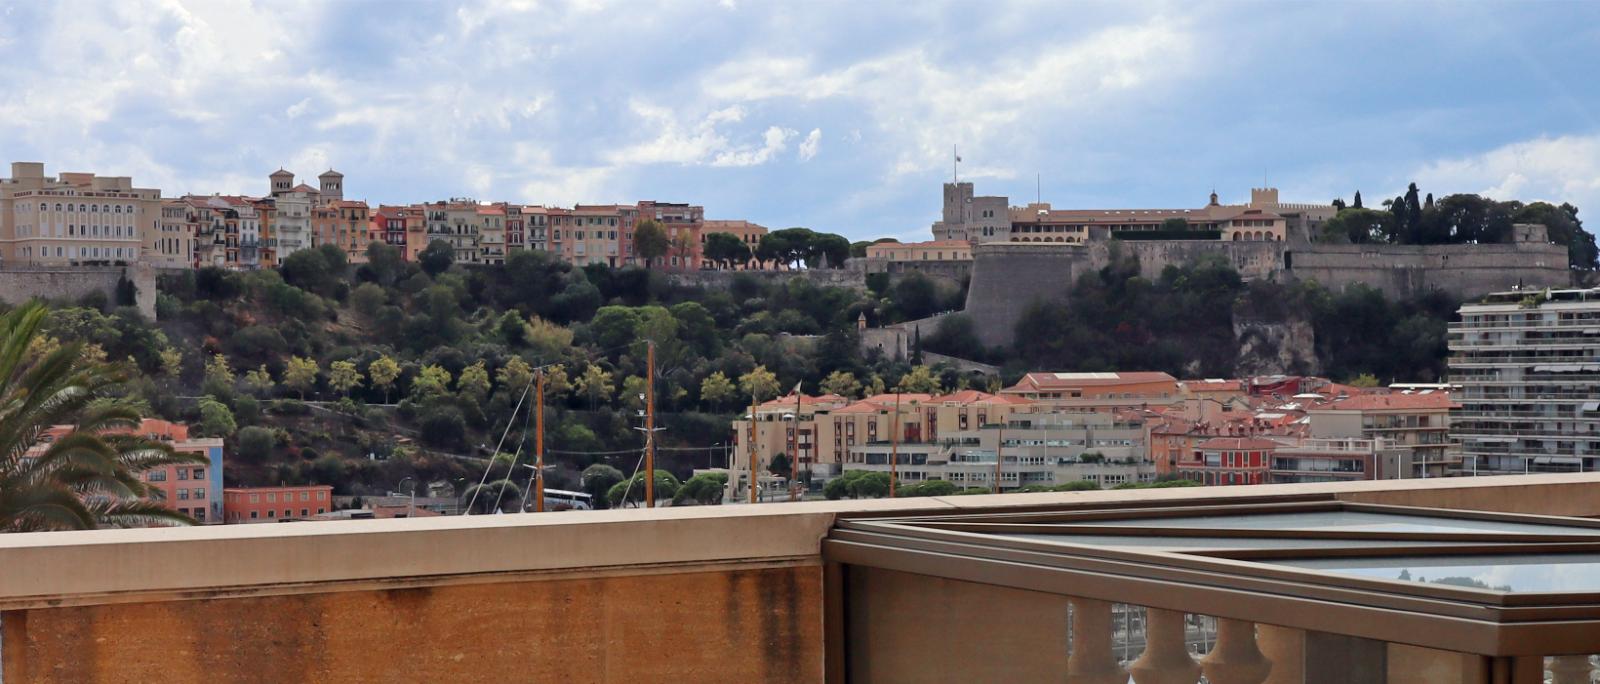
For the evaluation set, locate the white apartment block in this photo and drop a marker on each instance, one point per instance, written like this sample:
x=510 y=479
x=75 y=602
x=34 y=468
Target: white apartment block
x=1528 y=365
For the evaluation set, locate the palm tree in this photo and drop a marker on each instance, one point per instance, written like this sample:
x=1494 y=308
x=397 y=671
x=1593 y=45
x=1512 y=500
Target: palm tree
x=90 y=476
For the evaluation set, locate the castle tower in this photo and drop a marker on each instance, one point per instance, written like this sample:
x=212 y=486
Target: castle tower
x=332 y=186
x=280 y=181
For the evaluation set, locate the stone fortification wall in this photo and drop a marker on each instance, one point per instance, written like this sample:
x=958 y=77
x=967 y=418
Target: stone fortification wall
x=1410 y=270
x=1008 y=277
x=19 y=284
x=948 y=270
x=1251 y=259
x=851 y=276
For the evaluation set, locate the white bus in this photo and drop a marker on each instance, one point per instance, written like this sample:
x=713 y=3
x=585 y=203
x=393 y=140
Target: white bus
x=566 y=500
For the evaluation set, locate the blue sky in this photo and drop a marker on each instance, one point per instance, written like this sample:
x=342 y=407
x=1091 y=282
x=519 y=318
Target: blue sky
x=838 y=116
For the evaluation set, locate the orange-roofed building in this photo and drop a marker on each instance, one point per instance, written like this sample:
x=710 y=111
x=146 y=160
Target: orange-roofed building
x=191 y=489
x=1415 y=421
x=1097 y=391
x=748 y=233
x=935 y=250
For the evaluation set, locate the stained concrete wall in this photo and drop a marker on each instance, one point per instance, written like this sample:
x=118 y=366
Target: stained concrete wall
x=755 y=625
x=20 y=284
x=853 y=276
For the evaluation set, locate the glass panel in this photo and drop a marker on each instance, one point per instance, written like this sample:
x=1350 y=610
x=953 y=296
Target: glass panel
x=1194 y=543
x=1347 y=521
x=1575 y=572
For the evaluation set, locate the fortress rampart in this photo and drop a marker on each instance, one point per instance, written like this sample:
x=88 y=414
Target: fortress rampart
x=1008 y=277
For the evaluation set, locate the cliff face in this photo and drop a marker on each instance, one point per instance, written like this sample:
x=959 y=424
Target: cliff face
x=1272 y=347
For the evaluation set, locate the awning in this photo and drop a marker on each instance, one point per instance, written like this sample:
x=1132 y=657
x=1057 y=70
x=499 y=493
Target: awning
x=1591 y=406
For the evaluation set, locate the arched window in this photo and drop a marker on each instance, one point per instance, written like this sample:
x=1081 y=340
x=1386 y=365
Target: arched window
x=44 y=207
x=58 y=206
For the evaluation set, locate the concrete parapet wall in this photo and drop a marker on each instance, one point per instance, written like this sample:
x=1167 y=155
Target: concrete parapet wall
x=691 y=594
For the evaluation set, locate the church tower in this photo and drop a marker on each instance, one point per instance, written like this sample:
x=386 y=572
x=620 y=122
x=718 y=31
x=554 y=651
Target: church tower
x=332 y=186
x=280 y=181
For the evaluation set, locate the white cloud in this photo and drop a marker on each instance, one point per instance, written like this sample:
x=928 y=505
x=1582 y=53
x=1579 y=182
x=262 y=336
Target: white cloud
x=808 y=147
x=922 y=105
x=1561 y=169
x=703 y=142
x=295 y=110
x=775 y=141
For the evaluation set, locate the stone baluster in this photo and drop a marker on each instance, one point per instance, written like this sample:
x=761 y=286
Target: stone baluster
x=1166 y=652
x=1285 y=648
x=1571 y=669
x=1235 y=659
x=1092 y=660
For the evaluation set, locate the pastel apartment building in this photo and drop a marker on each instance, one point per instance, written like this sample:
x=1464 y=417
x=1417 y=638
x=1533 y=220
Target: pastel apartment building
x=76 y=218
x=1097 y=391
x=193 y=490
x=934 y=250
x=748 y=233
x=1417 y=422
x=243 y=505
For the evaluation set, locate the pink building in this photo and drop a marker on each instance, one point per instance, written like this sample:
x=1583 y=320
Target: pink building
x=274 y=504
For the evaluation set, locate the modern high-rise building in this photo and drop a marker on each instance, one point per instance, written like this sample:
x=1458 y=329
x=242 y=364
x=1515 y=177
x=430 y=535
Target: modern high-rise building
x=1528 y=364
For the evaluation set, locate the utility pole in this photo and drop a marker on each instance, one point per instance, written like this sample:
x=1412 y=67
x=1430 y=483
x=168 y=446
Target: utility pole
x=755 y=458
x=538 y=447
x=650 y=426
x=998 y=446
x=794 y=463
x=894 y=443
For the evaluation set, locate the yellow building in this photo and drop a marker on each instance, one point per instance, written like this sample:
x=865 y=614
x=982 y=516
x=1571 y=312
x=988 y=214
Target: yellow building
x=76 y=218
x=935 y=250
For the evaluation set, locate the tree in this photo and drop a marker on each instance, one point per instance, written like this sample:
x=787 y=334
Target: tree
x=633 y=392
x=1171 y=225
x=495 y=496
x=828 y=249
x=433 y=380
x=779 y=465
x=301 y=374
x=383 y=371
x=436 y=258
x=726 y=249
x=1364 y=380
x=842 y=383
x=1356 y=204
x=444 y=427
x=171 y=362
x=259 y=380
x=91 y=476
x=597 y=480
x=760 y=384
x=343 y=376
x=716 y=390
x=556 y=384
x=705 y=489
x=255 y=444
x=857 y=484
x=920 y=380
x=514 y=375
x=632 y=489
x=474 y=382
x=218 y=371
x=650 y=241
x=215 y=418
x=595 y=383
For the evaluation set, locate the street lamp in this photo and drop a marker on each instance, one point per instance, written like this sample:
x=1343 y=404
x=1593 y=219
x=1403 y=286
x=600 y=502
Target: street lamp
x=411 y=508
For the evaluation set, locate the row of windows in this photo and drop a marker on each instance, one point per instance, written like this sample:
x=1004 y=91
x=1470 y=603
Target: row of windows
x=90 y=208
x=83 y=253
x=196 y=493
x=273 y=514
x=74 y=230
x=272 y=497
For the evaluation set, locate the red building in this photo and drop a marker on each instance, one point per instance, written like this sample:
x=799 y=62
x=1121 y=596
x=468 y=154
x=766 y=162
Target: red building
x=1229 y=461
x=274 y=504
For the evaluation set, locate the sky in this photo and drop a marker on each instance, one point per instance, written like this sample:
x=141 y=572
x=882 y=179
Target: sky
x=838 y=116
